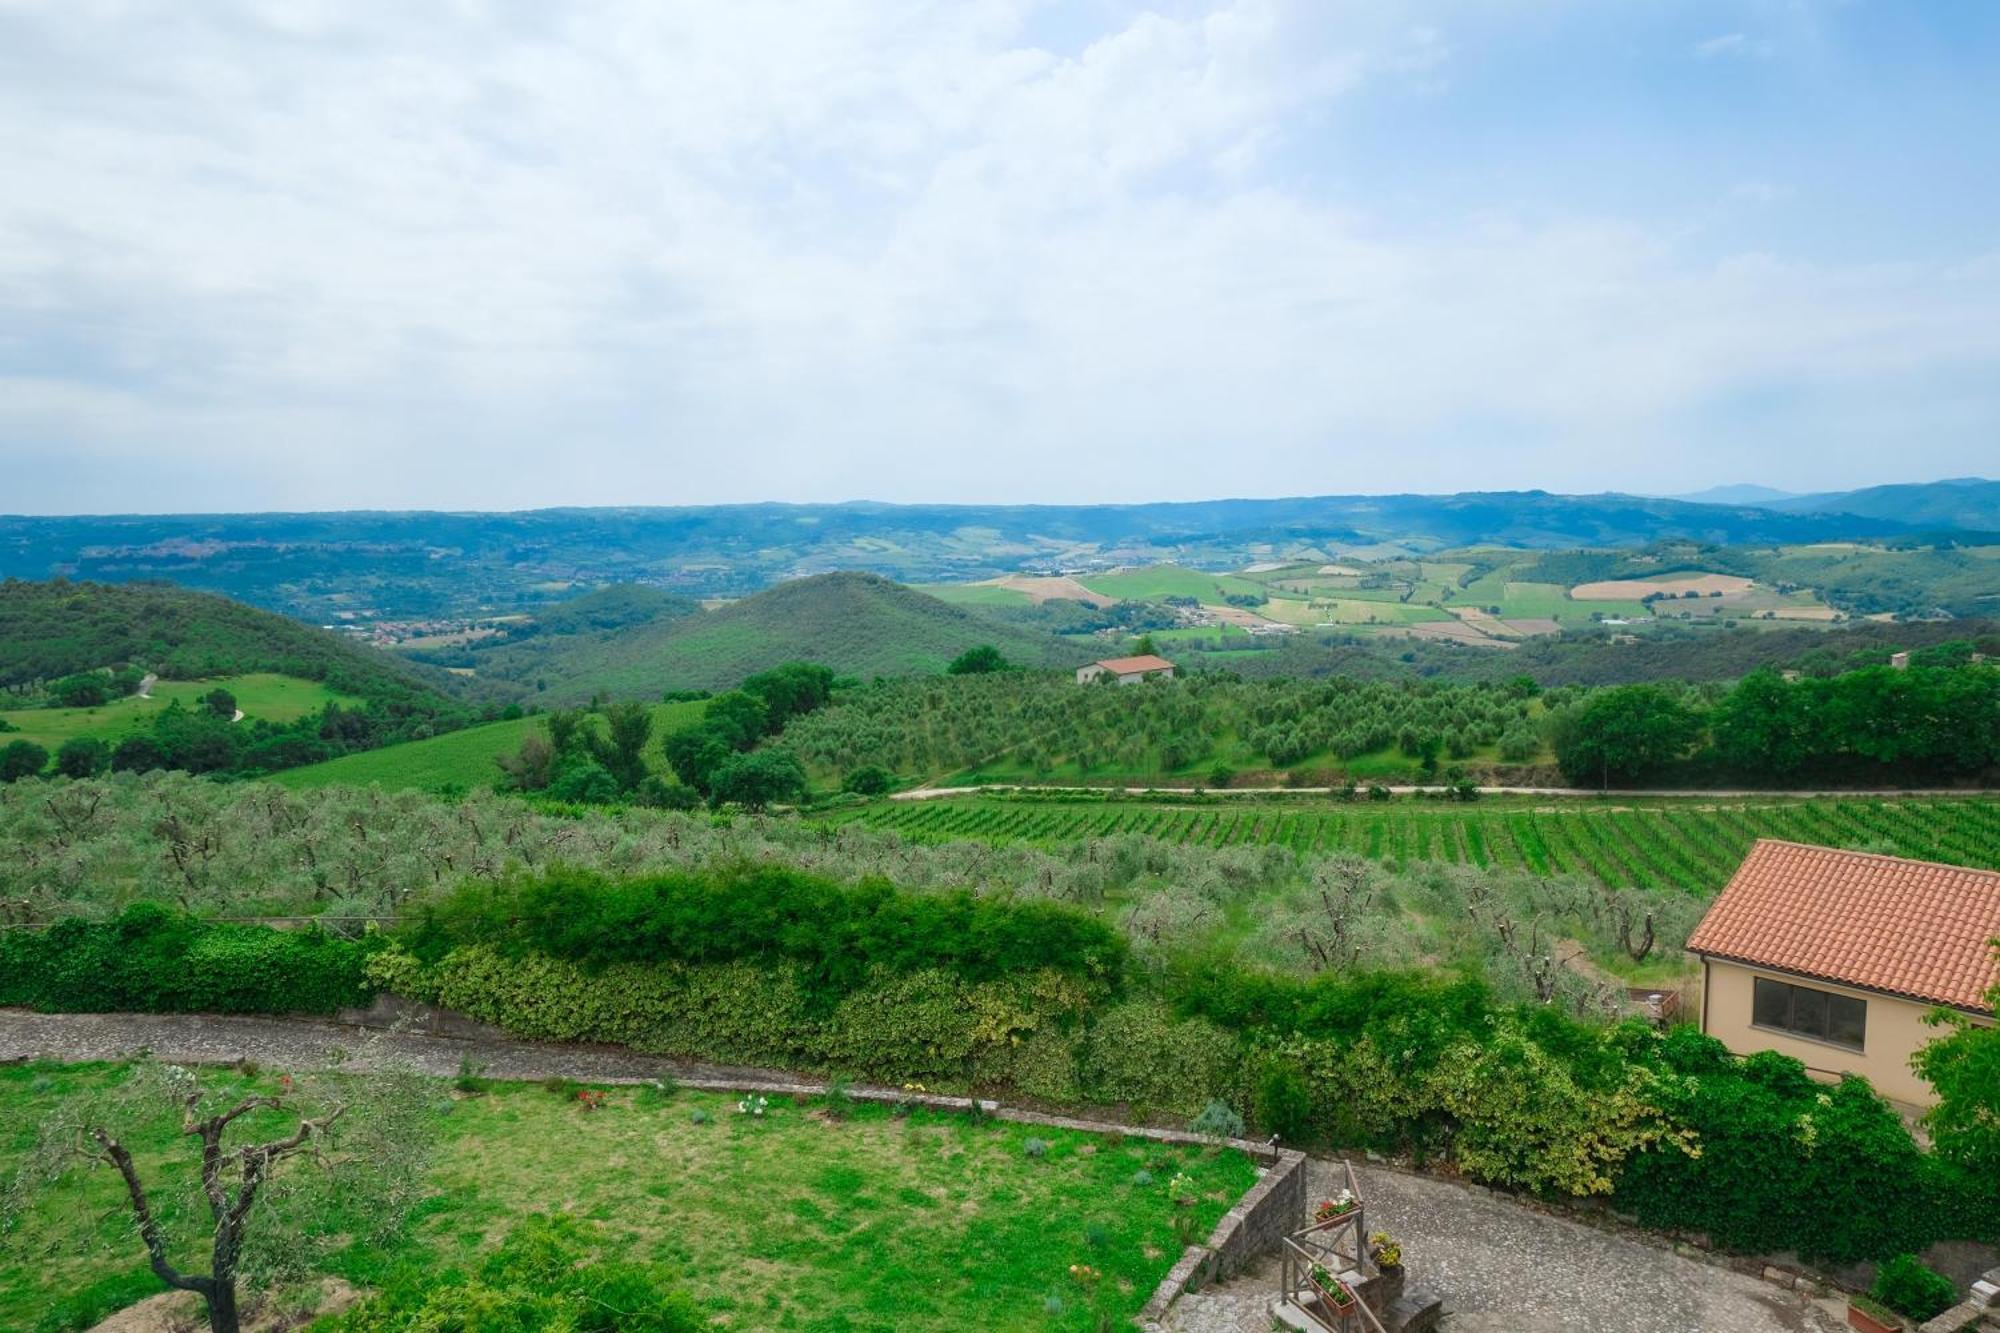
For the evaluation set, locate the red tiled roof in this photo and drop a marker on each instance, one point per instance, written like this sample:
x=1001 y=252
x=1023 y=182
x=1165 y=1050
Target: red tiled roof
x=1912 y=928
x=1125 y=666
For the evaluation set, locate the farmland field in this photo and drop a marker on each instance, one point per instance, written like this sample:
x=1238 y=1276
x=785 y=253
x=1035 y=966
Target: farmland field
x=1158 y=581
x=458 y=760
x=262 y=696
x=1690 y=845
x=874 y=1221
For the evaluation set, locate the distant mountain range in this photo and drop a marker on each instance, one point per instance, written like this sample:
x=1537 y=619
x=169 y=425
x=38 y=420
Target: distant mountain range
x=374 y=565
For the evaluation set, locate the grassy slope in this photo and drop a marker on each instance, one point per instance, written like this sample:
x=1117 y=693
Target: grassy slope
x=874 y=1223
x=457 y=760
x=1157 y=581
x=858 y=624
x=260 y=695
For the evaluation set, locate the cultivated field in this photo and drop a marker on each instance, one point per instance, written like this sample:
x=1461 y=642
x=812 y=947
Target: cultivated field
x=789 y=1220
x=1692 y=845
x=260 y=695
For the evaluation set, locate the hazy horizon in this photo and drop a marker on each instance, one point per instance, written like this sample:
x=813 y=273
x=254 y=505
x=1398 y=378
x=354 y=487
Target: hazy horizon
x=268 y=255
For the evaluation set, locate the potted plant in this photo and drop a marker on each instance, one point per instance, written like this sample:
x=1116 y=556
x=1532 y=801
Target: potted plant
x=1340 y=1205
x=1338 y=1296
x=1386 y=1251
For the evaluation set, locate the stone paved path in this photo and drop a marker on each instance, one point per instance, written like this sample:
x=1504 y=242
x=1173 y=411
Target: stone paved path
x=1499 y=1268
x=1504 y=1269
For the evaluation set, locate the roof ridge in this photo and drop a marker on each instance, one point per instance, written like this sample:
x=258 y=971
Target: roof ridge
x=1878 y=856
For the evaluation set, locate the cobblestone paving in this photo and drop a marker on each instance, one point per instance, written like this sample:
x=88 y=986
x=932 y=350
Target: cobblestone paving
x=1504 y=1269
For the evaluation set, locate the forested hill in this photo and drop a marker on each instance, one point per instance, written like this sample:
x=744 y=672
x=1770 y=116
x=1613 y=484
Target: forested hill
x=55 y=629
x=857 y=624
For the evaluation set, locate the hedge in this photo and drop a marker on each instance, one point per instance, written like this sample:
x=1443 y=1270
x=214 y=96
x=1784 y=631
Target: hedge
x=835 y=936
x=151 y=959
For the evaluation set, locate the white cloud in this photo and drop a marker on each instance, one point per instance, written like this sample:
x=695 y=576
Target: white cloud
x=509 y=254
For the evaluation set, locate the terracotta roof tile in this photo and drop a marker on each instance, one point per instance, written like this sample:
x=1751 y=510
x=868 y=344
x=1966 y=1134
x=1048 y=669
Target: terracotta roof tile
x=1122 y=666
x=1912 y=928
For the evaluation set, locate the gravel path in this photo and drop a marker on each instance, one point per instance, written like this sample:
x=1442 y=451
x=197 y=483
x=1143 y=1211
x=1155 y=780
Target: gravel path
x=1499 y=1267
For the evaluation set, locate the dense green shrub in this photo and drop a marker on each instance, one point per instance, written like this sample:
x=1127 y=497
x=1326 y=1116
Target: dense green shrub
x=1283 y=1104
x=1907 y=1286
x=154 y=960
x=839 y=935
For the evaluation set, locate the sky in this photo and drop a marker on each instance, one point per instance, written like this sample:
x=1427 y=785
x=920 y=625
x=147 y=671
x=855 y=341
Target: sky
x=502 y=254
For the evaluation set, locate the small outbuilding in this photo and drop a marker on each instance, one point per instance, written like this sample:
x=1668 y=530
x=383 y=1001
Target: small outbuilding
x=1127 y=670
x=1835 y=957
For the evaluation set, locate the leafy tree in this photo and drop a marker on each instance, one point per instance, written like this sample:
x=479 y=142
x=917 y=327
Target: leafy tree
x=868 y=780
x=220 y=702
x=138 y=754
x=629 y=725
x=280 y=1173
x=86 y=689
x=791 y=690
x=695 y=753
x=1143 y=647
x=979 y=660
x=22 y=759
x=531 y=767
x=737 y=717
x=586 y=781
x=1963 y=1067
x=1222 y=775
x=1624 y=734
x=760 y=779
x=82 y=757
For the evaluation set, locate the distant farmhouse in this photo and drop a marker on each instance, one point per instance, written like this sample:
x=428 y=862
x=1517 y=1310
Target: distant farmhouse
x=1835 y=957
x=1127 y=670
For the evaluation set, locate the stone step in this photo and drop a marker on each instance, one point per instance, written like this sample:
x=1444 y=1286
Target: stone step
x=1415 y=1311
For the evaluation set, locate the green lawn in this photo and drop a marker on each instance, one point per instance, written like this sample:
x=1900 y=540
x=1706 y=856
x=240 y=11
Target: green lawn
x=261 y=695
x=459 y=760
x=788 y=1221
x=975 y=594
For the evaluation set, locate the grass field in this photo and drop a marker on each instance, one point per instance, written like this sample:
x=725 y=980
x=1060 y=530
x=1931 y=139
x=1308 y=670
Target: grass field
x=1158 y=581
x=261 y=695
x=458 y=760
x=1692 y=845
x=790 y=1220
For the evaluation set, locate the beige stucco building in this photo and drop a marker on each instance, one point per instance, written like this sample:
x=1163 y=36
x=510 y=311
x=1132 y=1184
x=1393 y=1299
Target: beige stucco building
x=1127 y=670
x=1835 y=957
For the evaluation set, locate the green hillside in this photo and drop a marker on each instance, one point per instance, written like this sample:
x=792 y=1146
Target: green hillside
x=458 y=760
x=54 y=629
x=858 y=624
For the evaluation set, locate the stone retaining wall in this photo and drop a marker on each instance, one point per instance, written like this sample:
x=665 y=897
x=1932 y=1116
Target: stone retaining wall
x=1269 y=1211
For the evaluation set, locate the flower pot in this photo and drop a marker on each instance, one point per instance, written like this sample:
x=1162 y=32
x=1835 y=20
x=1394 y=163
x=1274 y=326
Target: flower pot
x=1864 y=1322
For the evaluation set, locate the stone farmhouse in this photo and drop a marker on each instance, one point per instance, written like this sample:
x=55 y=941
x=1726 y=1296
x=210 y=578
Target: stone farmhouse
x=1126 y=670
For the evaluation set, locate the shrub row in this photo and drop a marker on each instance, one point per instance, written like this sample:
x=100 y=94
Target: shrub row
x=152 y=959
x=835 y=936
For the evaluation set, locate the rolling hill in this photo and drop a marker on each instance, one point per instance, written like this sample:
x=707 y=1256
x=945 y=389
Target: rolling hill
x=59 y=628
x=1963 y=502
x=858 y=624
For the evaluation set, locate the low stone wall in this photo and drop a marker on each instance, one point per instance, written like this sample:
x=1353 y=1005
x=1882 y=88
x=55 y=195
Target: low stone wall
x=1269 y=1211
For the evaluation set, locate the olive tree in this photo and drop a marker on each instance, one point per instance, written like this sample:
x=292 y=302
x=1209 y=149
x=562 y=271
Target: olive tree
x=233 y=1183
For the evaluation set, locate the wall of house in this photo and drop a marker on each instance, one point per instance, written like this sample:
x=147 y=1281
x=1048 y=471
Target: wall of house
x=1896 y=1028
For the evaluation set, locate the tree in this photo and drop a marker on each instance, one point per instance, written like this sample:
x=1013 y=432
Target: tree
x=86 y=689
x=1624 y=734
x=868 y=780
x=220 y=702
x=629 y=725
x=529 y=768
x=791 y=690
x=1143 y=647
x=281 y=1171
x=585 y=781
x=738 y=718
x=977 y=661
x=82 y=757
x=760 y=779
x=138 y=754
x=1963 y=1067
x=695 y=753
x=1763 y=728
x=22 y=759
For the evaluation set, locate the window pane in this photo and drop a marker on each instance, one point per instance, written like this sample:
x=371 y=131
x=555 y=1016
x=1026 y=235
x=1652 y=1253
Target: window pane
x=1846 y=1020
x=1771 y=1004
x=1809 y=1011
